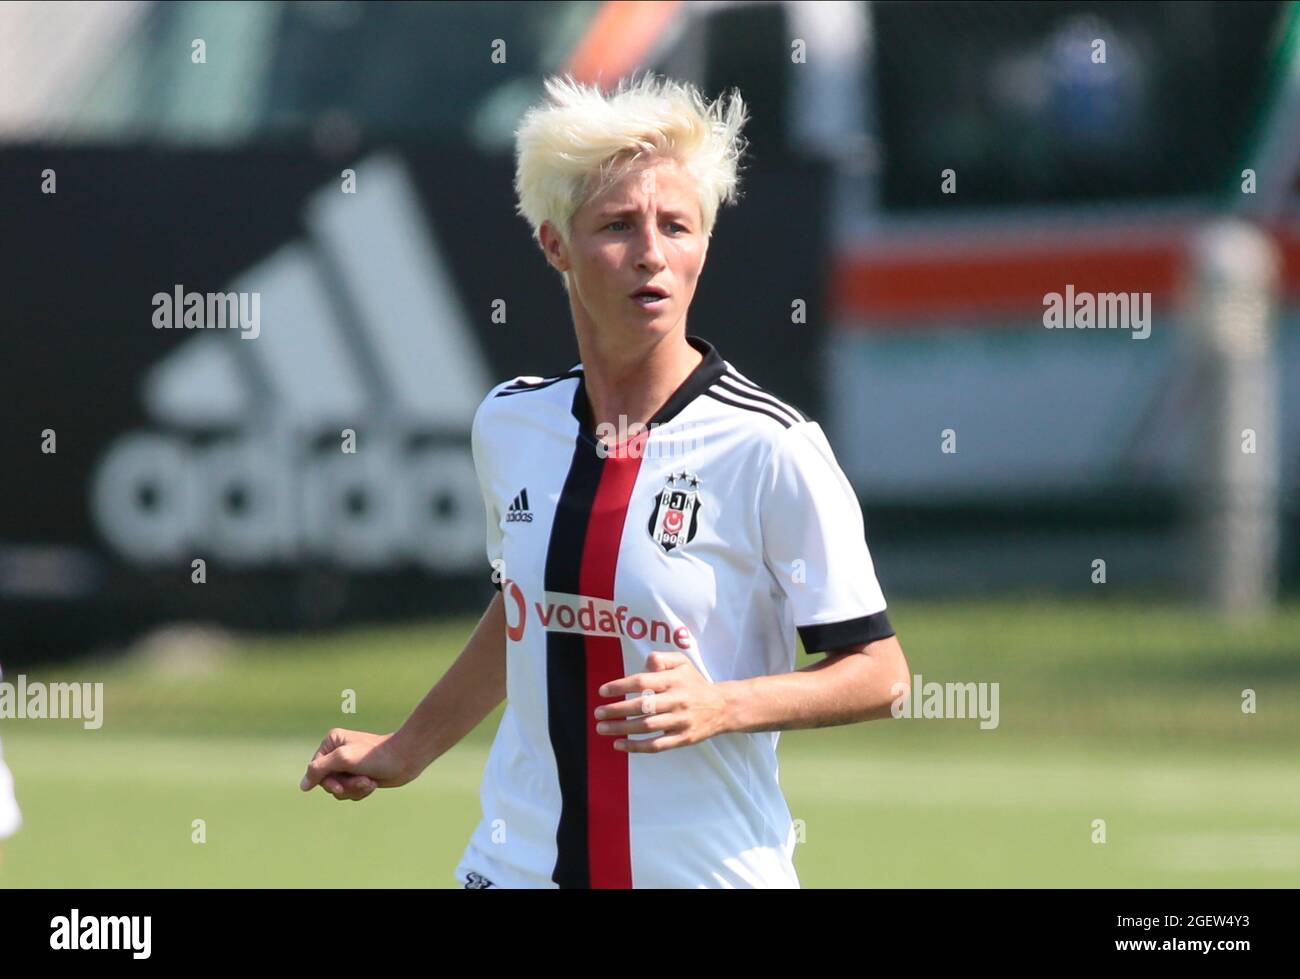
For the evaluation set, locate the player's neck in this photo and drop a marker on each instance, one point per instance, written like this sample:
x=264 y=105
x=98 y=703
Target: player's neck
x=626 y=387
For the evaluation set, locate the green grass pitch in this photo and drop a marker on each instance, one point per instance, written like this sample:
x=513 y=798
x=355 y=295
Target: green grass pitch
x=1127 y=713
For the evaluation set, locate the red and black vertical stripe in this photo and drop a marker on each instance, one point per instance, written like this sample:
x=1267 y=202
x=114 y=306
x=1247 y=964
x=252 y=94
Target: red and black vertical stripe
x=593 y=837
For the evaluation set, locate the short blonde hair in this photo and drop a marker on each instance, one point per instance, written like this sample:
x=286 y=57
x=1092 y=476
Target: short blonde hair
x=582 y=141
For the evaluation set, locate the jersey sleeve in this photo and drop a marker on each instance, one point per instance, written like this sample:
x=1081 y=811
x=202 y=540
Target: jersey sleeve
x=814 y=544
x=492 y=510
x=11 y=819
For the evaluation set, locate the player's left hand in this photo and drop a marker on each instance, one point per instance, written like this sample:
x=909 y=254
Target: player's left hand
x=675 y=699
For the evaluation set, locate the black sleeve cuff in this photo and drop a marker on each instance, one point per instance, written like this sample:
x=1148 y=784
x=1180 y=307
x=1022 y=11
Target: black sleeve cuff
x=850 y=632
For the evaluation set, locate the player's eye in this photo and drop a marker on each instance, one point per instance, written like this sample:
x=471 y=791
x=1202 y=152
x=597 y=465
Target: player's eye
x=674 y=224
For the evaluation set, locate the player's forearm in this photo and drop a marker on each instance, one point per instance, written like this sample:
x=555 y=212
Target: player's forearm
x=470 y=690
x=844 y=688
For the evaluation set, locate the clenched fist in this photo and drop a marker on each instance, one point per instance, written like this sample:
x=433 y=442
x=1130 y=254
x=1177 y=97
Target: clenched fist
x=352 y=764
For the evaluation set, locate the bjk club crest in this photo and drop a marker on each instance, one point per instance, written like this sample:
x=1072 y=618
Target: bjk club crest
x=676 y=512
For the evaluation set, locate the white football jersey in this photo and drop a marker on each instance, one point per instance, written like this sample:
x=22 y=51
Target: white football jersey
x=717 y=533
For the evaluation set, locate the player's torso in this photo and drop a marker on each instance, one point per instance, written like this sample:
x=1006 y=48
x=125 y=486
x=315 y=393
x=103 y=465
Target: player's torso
x=643 y=545
x=606 y=557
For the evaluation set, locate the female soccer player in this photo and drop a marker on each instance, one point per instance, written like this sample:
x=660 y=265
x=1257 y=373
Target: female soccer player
x=659 y=526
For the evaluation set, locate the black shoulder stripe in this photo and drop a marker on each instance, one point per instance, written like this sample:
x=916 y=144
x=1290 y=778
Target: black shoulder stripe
x=720 y=394
x=734 y=376
x=520 y=384
x=739 y=378
x=740 y=391
x=519 y=387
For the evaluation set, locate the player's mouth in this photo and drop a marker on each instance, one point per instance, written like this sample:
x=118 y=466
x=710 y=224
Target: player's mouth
x=650 y=297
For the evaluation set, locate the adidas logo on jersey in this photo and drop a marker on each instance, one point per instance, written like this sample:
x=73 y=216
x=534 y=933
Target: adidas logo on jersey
x=519 y=511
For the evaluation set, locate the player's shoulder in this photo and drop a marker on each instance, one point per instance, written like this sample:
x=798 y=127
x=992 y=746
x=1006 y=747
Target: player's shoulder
x=765 y=415
x=533 y=385
x=528 y=389
x=786 y=437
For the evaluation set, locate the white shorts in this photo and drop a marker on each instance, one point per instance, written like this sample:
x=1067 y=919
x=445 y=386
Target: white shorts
x=10 y=818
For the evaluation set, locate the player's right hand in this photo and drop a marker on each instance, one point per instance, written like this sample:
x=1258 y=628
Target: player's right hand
x=352 y=764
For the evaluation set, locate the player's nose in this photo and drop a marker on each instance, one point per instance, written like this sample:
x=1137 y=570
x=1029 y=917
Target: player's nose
x=649 y=248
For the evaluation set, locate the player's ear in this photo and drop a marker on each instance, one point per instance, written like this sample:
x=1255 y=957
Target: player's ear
x=553 y=247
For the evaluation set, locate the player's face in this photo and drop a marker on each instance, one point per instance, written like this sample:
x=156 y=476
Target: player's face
x=644 y=231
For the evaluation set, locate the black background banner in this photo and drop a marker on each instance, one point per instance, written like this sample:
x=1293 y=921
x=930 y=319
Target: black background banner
x=81 y=266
